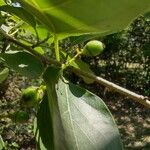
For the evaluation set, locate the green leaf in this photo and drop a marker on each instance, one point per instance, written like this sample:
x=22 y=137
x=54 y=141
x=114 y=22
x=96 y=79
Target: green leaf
x=2 y=145
x=21 y=13
x=79 y=64
x=147 y=15
x=24 y=63
x=51 y=77
x=80 y=119
x=74 y=17
x=74 y=40
x=2 y=2
x=39 y=50
x=87 y=121
x=43 y=126
x=4 y=74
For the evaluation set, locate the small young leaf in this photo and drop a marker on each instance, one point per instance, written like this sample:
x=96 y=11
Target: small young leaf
x=24 y=63
x=74 y=40
x=4 y=74
x=83 y=66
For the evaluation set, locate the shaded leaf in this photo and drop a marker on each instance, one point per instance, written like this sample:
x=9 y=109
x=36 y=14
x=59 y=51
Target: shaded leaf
x=24 y=63
x=74 y=40
x=147 y=15
x=146 y=50
x=79 y=64
x=43 y=126
x=21 y=13
x=2 y=2
x=51 y=77
x=39 y=50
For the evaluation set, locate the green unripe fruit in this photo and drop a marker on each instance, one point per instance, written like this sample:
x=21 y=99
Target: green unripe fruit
x=30 y=96
x=19 y=116
x=93 y=48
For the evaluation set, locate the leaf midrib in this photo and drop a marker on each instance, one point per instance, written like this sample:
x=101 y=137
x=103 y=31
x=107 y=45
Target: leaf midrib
x=70 y=117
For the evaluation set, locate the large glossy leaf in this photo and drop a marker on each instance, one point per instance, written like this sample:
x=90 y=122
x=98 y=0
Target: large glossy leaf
x=85 y=121
x=24 y=63
x=72 y=17
x=4 y=74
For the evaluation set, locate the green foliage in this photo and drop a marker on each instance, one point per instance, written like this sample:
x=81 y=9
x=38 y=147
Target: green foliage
x=2 y=145
x=4 y=74
x=29 y=96
x=24 y=63
x=147 y=15
x=43 y=125
x=19 y=116
x=62 y=19
x=20 y=12
x=83 y=66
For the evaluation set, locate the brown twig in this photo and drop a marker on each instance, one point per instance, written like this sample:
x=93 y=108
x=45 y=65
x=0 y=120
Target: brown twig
x=136 y=97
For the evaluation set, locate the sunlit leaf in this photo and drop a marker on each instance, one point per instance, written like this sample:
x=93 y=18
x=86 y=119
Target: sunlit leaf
x=79 y=64
x=74 y=17
x=43 y=125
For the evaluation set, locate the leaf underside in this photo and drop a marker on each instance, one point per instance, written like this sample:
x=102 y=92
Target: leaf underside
x=80 y=119
x=74 y=17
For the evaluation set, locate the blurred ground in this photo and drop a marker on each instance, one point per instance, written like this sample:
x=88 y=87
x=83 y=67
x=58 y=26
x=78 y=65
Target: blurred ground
x=133 y=120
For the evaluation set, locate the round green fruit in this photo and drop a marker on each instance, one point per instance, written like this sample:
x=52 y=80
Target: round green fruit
x=19 y=116
x=30 y=96
x=93 y=48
